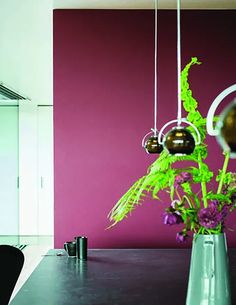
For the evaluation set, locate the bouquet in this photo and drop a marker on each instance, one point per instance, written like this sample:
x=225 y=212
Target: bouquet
x=193 y=204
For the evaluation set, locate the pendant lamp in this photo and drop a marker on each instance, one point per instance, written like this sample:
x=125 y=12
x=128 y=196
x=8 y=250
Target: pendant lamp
x=150 y=140
x=179 y=140
x=225 y=129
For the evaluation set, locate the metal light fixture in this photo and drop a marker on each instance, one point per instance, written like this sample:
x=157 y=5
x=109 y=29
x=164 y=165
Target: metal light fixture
x=225 y=129
x=179 y=140
x=7 y=93
x=151 y=144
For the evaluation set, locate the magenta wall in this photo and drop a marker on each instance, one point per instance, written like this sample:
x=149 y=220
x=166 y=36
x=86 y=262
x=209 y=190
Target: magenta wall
x=103 y=96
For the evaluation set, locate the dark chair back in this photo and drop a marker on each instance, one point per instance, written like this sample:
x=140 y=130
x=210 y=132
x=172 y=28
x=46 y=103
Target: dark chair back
x=11 y=263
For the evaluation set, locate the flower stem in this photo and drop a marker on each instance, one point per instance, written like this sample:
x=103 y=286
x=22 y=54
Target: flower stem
x=188 y=201
x=178 y=195
x=225 y=165
x=203 y=183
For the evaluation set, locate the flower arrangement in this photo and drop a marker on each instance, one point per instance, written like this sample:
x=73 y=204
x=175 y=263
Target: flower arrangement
x=192 y=202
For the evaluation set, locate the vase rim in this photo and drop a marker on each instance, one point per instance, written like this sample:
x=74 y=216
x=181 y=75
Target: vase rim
x=210 y=234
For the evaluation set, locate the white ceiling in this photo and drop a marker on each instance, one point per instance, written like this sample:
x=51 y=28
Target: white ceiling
x=26 y=51
x=26 y=48
x=144 y=4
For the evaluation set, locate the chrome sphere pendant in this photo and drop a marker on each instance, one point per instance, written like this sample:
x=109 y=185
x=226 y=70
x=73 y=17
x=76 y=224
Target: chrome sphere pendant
x=152 y=145
x=179 y=141
x=227 y=129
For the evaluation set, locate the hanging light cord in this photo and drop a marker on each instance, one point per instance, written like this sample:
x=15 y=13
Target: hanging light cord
x=179 y=115
x=154 y=129
x=155 y=74
x=179 y=119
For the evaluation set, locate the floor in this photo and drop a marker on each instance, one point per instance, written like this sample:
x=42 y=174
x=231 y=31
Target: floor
x=36 y=248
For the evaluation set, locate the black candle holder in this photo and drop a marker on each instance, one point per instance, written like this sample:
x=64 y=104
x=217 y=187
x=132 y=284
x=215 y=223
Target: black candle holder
x=81 y=247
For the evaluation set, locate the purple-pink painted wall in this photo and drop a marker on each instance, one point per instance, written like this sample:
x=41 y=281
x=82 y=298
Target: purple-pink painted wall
x=103 y=97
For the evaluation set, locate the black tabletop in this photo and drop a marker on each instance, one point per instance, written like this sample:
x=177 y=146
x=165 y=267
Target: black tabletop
x=113 y=277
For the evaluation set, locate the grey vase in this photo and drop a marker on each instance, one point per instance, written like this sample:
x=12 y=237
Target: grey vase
x=209 y=282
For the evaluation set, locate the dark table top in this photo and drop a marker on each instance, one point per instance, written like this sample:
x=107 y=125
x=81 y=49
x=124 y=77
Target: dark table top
x=113 y=277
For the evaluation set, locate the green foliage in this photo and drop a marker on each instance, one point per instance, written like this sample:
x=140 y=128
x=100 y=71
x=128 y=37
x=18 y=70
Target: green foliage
x=202 y=175
x=162 y=175
x=187 y=188
x=227 y=177
x=219 y=197
x=127 y=202
x=189 y=102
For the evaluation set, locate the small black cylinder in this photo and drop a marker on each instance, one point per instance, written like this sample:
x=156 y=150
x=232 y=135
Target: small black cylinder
x=83 y=247
x=77 y=245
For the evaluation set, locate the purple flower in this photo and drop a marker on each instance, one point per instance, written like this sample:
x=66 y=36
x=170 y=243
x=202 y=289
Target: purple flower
x=224 y=211
x=178 y=180
x=181 y=237
x=210 y=217
x=172 y=218
x=186 y=176
x=182 y=178
x=213 y=203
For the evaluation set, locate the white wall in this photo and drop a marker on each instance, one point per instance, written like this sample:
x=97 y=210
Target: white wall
x=9 y=209
x=26 y=65
x=26 y=47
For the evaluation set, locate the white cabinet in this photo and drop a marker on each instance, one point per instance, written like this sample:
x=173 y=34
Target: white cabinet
x=28 y=192
x=45 y=170
x=35 y=169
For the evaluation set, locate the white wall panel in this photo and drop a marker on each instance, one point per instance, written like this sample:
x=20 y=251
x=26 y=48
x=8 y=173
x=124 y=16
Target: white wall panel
x=36 y=169
x=45 y=170
x=28 y=171
x=9 y=224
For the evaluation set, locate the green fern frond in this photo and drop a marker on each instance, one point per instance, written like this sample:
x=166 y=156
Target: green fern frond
x=161 y=164
x=127 y=202
x=161 y=174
